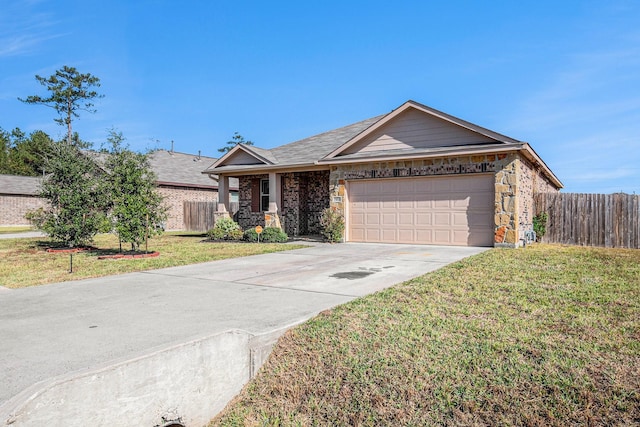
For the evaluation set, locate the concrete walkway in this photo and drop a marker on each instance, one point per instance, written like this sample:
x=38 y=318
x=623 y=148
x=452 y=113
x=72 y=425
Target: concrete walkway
x=57 y=329
x=21 y=235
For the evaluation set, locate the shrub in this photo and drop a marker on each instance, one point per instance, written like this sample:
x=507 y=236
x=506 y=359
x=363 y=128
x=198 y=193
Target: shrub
x=225 y=228
x=216 y=234
x=236 y=234
x=268 y=235
x=540 y=225
x=332 y=224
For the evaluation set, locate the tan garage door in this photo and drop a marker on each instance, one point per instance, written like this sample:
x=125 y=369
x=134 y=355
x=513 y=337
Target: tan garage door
x=436 y=210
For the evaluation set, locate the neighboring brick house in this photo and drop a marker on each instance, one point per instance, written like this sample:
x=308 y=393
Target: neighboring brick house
x=414 y=175
x=18 y=195
x=179 y=179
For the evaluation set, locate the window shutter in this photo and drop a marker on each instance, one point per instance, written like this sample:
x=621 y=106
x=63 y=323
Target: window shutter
x=255 y=195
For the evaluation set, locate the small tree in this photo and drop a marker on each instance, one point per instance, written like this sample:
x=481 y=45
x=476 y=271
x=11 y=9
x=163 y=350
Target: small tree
x=235 y=140
x=70 y=92
x=76 y=211
x=137 y=211
x=540 y=225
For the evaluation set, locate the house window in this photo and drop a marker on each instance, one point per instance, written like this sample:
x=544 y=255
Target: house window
x=264 y=195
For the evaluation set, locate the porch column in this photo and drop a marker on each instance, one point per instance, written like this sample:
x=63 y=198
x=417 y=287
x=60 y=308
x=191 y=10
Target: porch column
x=223 y=193
x=271 y=218
x=275 y=187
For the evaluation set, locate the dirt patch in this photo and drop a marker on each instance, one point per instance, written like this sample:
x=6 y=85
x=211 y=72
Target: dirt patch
x=69 y=250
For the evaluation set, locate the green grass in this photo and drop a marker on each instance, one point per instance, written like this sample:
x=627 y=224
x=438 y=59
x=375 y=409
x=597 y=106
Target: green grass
x=24 y=262
x=15 y=229
x=546 y=335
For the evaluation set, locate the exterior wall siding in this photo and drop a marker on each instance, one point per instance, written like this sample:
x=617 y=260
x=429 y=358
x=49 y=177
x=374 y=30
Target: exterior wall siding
x=414 y=129
x=13 y=208
x=174 y=198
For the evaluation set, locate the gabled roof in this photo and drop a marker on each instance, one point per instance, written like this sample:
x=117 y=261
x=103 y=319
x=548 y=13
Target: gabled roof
x=304 y=151
x=435 y=134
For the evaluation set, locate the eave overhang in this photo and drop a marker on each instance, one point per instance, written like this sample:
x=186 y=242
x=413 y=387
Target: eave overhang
x=260 y=169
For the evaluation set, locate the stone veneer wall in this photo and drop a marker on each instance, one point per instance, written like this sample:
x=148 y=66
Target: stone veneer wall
x=174 y=198
x=13 y=208
x=507 y=231
x=504 y=167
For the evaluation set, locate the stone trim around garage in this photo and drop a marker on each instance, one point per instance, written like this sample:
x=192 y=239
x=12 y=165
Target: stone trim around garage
x=506 y=168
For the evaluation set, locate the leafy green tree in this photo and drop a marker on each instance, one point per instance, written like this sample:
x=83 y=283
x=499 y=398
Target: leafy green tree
x=137 y=209
x=235 y=140
x=24 y=155
x=77 y=204
x=5 y=145
x=69 y=92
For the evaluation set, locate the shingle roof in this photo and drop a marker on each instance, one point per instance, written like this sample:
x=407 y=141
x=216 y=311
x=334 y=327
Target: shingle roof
x=20 y=185
x=310 y=149
x=178 y=169
x=181 y=169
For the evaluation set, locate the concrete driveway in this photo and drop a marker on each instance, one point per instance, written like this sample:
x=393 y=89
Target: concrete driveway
x=57 y=329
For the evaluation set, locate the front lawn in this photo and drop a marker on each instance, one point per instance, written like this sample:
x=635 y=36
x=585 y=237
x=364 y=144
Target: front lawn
x=547 y=335
x=24 y=262
x=15 y=229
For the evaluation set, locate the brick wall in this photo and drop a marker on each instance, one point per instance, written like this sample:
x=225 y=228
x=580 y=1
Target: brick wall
x=245 y=217
x=13 y=208
x=174 y=198
x=304 y=196
x=530 y=182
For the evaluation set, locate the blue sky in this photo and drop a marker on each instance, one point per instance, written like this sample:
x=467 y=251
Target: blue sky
x=563 y=76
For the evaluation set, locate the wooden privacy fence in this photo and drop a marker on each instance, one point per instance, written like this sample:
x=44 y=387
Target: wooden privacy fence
x=198 y=216
x=609 y=220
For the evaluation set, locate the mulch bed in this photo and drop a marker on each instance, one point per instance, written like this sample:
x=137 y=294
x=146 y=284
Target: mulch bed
x=130 y=256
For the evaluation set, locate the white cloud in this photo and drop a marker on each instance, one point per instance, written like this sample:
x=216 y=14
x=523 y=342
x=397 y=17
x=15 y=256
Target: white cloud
x=23 y=30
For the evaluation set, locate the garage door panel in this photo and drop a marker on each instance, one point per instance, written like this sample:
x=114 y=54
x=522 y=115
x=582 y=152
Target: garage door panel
x=424 y=218
x=405 y=219
x=442 y=237
x=357 y=234
x=357 y=219
x=389 y=235
x=441 y=219
x=389 y=219
x=452 y=210
x=462 y=203
x=372 y=235
x=459 y=220
x=480 y=220
x=372 y=219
